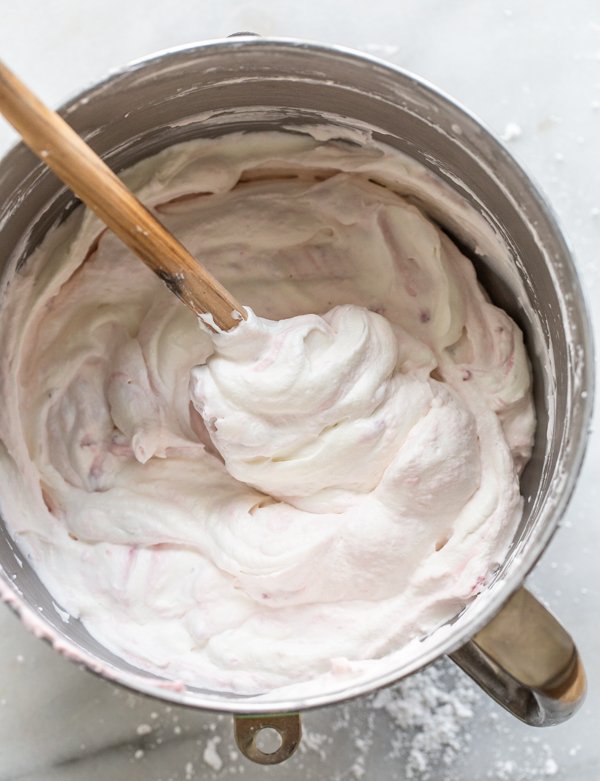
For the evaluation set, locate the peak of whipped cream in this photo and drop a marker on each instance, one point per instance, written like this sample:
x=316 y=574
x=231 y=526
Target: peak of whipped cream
x=335 y=477
x=309 y=410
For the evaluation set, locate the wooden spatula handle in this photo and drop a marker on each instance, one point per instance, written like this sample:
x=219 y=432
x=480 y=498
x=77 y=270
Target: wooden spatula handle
x=59 y=146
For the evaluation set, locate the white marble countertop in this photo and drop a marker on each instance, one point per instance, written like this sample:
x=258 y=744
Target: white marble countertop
x=534 y=64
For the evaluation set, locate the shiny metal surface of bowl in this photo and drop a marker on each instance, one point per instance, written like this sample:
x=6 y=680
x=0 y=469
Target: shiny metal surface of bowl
x=255 y=83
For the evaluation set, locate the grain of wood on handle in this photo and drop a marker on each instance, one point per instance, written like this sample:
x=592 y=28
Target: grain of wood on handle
x=76 y=164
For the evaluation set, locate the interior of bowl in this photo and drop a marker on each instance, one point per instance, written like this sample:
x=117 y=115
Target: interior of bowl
x=252 y=84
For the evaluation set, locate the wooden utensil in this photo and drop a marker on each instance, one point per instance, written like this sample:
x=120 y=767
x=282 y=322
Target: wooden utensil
x=78 y=166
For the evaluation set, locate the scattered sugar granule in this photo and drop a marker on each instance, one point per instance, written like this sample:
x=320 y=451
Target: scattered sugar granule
x=313 y=741
x=505 y=770
x=211 y=755
x=143 y=729
x=138 y=754
x=189 y=771
x=512 y=131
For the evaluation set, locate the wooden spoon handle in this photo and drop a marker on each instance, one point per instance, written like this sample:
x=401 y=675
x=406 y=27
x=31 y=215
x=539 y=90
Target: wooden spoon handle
x=76 y=164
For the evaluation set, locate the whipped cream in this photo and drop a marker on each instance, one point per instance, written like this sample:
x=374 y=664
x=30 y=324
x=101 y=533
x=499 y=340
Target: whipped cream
x=251 y=509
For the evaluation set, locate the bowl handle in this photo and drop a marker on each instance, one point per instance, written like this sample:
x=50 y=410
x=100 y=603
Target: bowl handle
x=527 y=662
x=247 y=729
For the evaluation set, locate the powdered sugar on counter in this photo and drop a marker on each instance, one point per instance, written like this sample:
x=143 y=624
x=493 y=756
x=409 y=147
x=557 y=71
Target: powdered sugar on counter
x=432 y=720
x=513 y=770
x=512 y=131
x=211 y=756
x=433 y=726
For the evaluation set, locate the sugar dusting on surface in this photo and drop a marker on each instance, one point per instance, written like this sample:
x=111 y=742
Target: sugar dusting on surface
x=431 y=720
x=211 y=755
x=512 y=131
x=424 y=729
x=434 y=726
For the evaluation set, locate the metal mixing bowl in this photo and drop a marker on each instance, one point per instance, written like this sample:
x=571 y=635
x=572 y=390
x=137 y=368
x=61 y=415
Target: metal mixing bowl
x=251 y=83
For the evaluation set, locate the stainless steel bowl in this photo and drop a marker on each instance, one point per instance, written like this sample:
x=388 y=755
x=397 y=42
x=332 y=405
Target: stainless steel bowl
x=252 y=83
